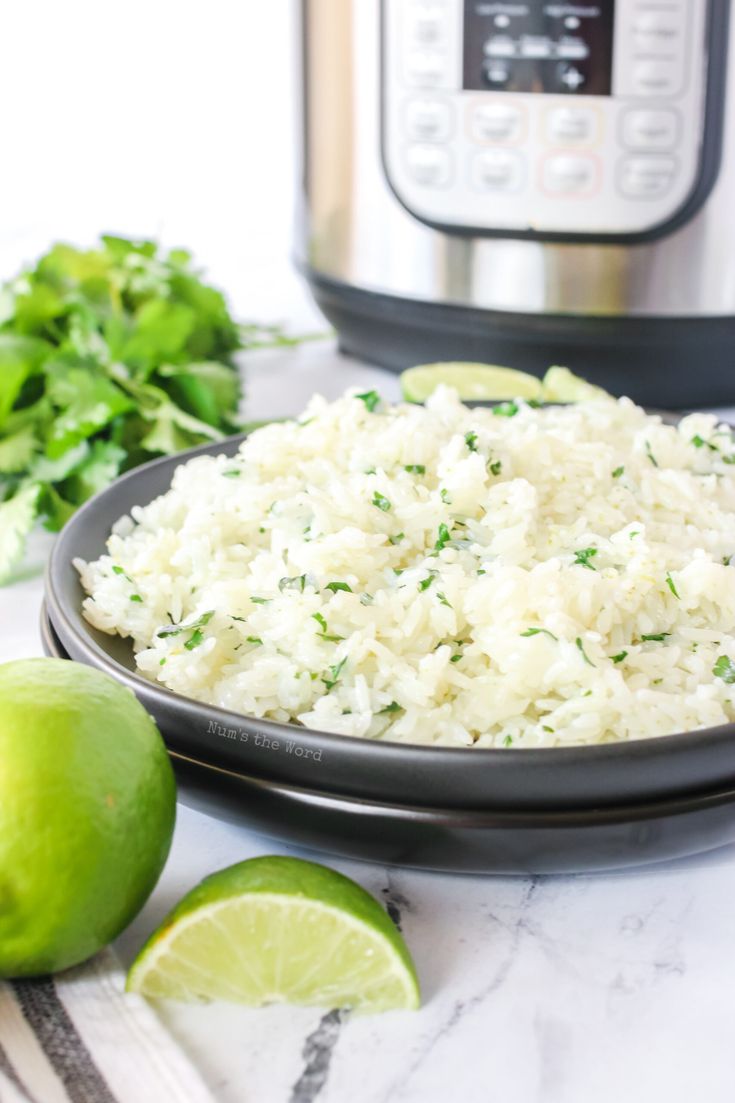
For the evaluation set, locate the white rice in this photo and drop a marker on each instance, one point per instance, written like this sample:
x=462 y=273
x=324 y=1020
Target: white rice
x=442 y=646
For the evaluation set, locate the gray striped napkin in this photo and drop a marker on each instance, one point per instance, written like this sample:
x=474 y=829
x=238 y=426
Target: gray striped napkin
x=79 y=1038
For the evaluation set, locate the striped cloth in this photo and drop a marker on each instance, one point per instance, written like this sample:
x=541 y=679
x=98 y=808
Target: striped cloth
x=79 y=1038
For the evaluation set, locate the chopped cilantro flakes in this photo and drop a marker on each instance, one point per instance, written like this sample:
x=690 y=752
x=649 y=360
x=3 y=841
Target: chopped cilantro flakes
x=335 y=586
x=539 y=631
x=650 y=455
x=298 y=582
x=724 y=668
x=583 y=557
x=371 y=400
x=335 y=673
x=443 y=538
x=392 y=707
x=177 y=629
x=381 y=501
x=426 y=582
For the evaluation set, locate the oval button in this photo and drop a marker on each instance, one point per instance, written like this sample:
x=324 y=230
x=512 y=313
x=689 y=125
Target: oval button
x=650 y=129
x=429 y=165
x=567 y=174
x=497 y=170
x=427 y=120
x=656 y=78
x=572 y=125
x=497 y=122
x=646 y=177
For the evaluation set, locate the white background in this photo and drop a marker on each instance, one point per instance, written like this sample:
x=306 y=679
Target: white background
x=163 y=118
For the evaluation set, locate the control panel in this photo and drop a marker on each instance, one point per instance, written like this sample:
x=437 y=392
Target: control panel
x=555 y=118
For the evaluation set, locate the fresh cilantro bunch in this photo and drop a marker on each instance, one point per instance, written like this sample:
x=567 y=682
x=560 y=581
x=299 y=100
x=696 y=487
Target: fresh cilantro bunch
x=107 y=359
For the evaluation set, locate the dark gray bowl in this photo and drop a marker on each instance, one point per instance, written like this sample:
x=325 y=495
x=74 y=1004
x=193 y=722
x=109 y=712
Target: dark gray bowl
x=455 y=840
x=610 y=776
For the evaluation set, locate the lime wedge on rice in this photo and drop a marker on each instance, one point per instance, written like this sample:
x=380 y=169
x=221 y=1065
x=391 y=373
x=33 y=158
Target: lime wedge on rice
x=561 y=385
x=278 y=930
x=482 y=382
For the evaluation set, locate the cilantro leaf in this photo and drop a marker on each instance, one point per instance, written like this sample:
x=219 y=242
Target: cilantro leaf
x=672 y=586
x=335 y=672
x=583 y=557
x=371 y=400
x=724 y=668
x=177 y=629
x=17 y=516
x=538 y=631
x=505 y=409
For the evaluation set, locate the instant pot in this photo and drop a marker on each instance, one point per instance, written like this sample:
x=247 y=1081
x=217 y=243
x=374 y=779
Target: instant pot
x=525 y=183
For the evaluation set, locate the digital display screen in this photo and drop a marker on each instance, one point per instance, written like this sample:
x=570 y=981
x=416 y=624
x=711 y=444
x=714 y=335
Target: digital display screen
x=539 y=46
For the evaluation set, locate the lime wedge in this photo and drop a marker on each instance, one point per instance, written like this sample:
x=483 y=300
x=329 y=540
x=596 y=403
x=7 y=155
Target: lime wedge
x=482 y=382
x=561 y=385
x=278 y=930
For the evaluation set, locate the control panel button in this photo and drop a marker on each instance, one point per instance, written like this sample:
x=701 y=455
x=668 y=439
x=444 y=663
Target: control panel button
x=656 y=78
x=572 y=125
x=496 y=73
x=427 y=120
x=426 y=21
x=500 y=46
x=425 y=68
x=497 y=122
x=572 y=49
x=657 y=32
x=652 y=130
x=429 y=165
x=497 y=170
x=646 y=177
x=569 y=174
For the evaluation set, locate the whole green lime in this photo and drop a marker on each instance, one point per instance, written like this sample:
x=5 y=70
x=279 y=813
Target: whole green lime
x=87 y=809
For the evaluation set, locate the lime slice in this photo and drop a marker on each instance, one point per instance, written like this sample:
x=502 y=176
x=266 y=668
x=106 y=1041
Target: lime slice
x=483 y=382
x=561 y=385
x=278 y=930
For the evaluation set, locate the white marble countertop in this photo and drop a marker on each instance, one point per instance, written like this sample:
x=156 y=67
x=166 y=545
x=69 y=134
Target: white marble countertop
x=615 y=988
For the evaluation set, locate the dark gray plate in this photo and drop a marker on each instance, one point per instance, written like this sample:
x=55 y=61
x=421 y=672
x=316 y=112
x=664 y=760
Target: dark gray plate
x=614 y=775
x=450 y=839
